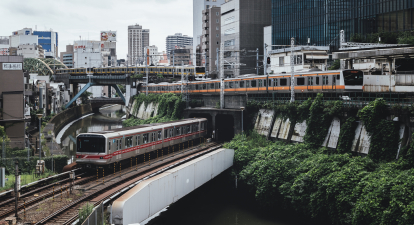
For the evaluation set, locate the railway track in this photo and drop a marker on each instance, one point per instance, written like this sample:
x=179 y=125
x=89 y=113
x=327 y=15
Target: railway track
x=97 y=193
x=35 y=195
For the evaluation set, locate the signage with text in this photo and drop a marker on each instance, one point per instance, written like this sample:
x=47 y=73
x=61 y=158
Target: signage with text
x=12 y=66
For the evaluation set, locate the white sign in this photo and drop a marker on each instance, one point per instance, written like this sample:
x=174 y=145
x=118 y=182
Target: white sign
x=108 y=35
x=12 y=66
x=18 y=183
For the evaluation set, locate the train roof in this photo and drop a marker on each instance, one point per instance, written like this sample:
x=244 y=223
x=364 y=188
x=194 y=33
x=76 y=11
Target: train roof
x=154 y=126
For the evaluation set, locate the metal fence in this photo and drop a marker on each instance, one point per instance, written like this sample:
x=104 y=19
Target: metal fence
x=96 y=217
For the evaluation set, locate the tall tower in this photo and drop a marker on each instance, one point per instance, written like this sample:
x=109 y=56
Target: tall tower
x=138 y=39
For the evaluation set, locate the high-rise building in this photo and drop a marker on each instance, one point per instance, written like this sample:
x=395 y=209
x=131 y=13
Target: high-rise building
x=198 y=7
x=321 y=21
x=211 y=39
x=49 y=42
x=138 y=39
x=176 y=41
x=242 y=29
x=182 y=56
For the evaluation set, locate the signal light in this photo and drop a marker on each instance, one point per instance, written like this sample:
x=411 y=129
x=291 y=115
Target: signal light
x=268 y=60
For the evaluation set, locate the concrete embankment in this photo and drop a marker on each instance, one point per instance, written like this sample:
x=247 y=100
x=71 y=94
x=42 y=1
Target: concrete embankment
x=59 y=121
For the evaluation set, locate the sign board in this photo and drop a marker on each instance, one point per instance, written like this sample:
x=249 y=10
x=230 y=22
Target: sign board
x=18 y=182
x=108 y=35
x=12 y=66
x=4 y=51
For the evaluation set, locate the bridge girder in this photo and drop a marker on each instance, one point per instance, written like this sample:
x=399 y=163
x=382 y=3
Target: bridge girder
x=43 y=66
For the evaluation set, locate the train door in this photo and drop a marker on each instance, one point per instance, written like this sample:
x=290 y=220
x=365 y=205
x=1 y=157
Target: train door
x=310 y=83
x=325 y=83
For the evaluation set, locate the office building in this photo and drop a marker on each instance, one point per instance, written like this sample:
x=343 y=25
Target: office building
x=67 y=57
x=138 y=39
x=12 y=99
x=321 y=21
x=211 y=38
x=242 y=30
x=30 y=51
x=182 y=56
x=155 y=56
x=4 y=45
x=177 y=41
x=198 y=7
x=49 y=42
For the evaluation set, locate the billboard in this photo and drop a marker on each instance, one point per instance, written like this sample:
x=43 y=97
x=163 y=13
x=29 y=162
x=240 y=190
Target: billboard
x=108 y=35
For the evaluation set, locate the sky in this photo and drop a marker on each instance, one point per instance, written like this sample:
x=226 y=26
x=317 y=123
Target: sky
x=86 y=18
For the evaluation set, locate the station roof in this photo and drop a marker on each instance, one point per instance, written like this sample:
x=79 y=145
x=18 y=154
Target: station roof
x=391 y=52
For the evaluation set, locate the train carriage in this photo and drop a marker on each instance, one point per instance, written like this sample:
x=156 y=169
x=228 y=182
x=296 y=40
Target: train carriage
x=107 y=147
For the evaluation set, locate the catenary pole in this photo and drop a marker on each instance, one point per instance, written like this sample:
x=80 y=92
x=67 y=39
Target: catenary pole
x=292 y=67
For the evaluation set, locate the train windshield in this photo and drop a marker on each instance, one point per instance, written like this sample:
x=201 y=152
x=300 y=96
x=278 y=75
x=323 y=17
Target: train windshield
x=200 y=69
x=353 y=77
x=91 y=143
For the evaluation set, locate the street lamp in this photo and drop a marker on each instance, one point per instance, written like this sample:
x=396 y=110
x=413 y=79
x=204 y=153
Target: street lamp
x=242 y=109
x=40 y=139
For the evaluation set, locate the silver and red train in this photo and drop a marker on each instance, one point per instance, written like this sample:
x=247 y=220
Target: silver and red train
x=108 y=147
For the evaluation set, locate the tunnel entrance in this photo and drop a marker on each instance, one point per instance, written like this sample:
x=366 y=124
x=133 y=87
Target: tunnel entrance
x=209 y=123
x=224 y=127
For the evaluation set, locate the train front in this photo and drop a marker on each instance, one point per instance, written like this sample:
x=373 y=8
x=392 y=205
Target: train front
x=91 y=150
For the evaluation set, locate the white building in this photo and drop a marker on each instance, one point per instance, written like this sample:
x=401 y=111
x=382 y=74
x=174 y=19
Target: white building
x=305 y=58
x=30 y=51
x=198 y=7
x=154 y=54
x=4 y=45
x=87 y=54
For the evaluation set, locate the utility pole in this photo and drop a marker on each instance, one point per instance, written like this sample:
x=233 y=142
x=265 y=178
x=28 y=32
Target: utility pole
x=217 y=61
x=265 y=66
x=182 y=77
x=222 y=75
x=257 y=61
x=3 y=148
x=146 y=70
x=16 y=187
x=292 y=66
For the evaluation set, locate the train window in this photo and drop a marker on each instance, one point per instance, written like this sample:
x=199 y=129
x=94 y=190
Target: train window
x=171 y=132
x=317 y=81
x=159 y=136
x=212 y=86
x=137 y=139
x=226 y=85
x=231 y=84
x=265 y=83
x=202 y=126
x=254 y=83
x=109 y=145
x=204 y=86
x=196 y=87
x=177 y=131
x=188 y=129
x=283 y=82
x=145 y=138
x=165 y=133
x=247 y=84
x=236 y=84
x=181 y=130
x=310 y=80
x=120 y=144
x=301 y=81
x=260 y=83
x=241 y=84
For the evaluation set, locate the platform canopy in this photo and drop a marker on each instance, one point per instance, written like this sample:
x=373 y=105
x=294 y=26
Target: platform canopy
x=43 y=66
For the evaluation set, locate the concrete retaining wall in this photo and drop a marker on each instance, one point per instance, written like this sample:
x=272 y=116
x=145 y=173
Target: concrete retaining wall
x=63 y=118
x=144 y=112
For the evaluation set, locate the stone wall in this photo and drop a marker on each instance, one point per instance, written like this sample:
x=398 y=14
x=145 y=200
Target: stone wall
x=63 y=118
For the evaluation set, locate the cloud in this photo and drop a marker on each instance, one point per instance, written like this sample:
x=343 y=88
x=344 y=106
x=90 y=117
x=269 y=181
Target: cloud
x=86 y=18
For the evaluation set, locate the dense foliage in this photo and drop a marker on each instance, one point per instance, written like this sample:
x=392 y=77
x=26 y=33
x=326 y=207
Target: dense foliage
x=335 y=187
x=170 y=107
x=26 y=167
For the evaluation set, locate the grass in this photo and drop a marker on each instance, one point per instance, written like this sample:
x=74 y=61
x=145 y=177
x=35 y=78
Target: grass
x=24 y=179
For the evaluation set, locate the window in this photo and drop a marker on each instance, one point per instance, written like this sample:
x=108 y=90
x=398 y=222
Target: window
x=310 y=80
x=264 y=83
x=226 y=85
x=159 y=136
x=281 y=61
x=217 y=35
x=153 y=137
x=217 y=13
x=177 y=131
x=145 y=138
x=283 y=82
x=165 y=133
x=325 y=80
x=188 y=129
x=212 y=86
x=217 y=28
x=317 y=80
x=247 y=84
x=229 y=42
x=241 y=84
x=301 y=81
x=171 y=132
x=217 y=21
x=260 y=83
x=231 y=84
x=254 y=83
x=138 y=139
x=274 y=82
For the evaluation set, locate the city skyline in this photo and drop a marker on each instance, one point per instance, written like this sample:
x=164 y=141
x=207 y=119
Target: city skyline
x=73 y=22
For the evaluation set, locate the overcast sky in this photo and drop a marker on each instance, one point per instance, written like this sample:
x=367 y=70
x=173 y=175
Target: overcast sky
x=86 y=18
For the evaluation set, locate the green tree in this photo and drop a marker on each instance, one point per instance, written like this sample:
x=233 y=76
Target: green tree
x=335 y=65
x=84 y=96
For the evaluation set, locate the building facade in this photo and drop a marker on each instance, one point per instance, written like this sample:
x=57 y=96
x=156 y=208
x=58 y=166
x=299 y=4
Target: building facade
x=177 y=40
x=49 y=42
x=67 y=57
x=12 y=99
x=182 y=56
x=198 y=7
x=155 y=56
x=242 y=23
x=138 y=39
x=211 y=38
x=321 y=21
x=4 y=45
x=30 y=51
